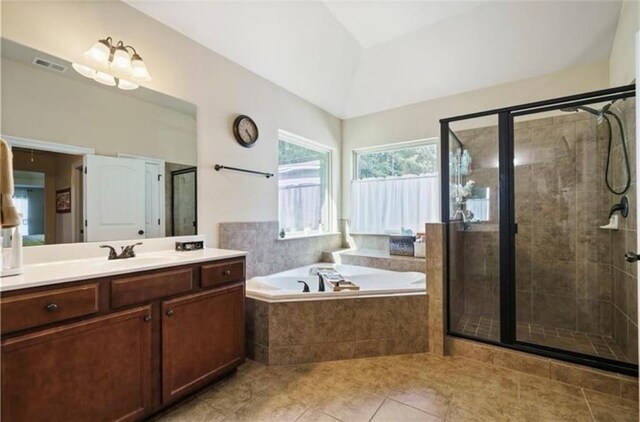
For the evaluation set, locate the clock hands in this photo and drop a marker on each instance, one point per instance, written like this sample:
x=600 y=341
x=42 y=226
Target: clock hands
x=250 y=137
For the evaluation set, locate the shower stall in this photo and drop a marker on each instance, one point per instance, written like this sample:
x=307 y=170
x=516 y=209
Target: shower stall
x=540 y=205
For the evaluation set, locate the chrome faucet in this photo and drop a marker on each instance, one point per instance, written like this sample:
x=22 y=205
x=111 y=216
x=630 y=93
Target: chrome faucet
x=126 y=251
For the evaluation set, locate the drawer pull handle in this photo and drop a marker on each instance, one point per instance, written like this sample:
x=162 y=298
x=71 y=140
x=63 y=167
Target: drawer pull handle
x=226 y=272
x=147 y=318
x=52 y=307
x=170 y=312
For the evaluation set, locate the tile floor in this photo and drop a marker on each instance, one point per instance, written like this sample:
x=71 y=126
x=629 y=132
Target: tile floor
x=400 y=388
x=577 y=341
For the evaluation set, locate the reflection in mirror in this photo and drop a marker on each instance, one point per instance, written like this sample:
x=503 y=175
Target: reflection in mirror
x=91 y=162
x=183 y=209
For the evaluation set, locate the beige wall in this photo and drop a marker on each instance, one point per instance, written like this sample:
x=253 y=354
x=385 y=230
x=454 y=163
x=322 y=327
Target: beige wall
x=183 y=68
x=46 y=106
x=421 y=120
x=622 y=60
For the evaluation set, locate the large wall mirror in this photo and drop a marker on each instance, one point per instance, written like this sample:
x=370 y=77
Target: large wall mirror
x=92 y=162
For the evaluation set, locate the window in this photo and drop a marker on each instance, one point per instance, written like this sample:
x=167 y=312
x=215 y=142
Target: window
x=396 y=189
x=303 y=186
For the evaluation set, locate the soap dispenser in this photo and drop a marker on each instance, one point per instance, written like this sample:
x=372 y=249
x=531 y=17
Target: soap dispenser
x=16 y=249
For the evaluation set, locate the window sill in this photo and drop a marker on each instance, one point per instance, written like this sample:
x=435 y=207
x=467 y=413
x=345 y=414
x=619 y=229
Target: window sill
x=304 y=236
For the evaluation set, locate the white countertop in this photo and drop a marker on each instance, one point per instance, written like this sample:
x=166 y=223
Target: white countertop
x=44 y=274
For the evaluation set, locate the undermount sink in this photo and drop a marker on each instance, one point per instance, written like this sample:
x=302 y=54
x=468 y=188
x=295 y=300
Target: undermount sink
x=136 y=261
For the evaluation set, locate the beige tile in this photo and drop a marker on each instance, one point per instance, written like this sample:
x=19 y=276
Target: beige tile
x=522 y=362
x=591 y=379
x=470 y=350
x=350 y=405
x=378 y=347
x=269 y=407
x=430 y=397
x=193 y=411
x=529 y=386
x=629 y=388
x=314 y=415
x=603 y=413
x=469 y=408
x=392 y=411
x=593 y=397
x=375 y=318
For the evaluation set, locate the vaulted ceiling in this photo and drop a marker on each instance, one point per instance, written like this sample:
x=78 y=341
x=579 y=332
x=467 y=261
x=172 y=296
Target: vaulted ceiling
x=357 y=57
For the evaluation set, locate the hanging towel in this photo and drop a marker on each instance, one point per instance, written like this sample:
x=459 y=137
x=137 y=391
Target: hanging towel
x=8 y=212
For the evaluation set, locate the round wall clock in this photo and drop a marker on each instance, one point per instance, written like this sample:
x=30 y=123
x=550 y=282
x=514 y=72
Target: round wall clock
x=245 y=131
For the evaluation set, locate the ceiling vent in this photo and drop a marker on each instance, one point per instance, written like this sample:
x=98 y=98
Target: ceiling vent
x=49 y=65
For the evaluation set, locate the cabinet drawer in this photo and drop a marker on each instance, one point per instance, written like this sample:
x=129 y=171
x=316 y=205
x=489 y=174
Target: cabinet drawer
x=131 y=290
x=34 y=309
x=224 y=272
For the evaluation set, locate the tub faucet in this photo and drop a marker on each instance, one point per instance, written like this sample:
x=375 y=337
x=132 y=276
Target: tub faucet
x=305 y=289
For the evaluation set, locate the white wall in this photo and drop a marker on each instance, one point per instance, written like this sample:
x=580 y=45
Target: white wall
x=421 y=120
x=622 y=69
x=182 y=68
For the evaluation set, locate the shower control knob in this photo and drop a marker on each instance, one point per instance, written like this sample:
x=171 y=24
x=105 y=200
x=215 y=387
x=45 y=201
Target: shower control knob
x=631 y=256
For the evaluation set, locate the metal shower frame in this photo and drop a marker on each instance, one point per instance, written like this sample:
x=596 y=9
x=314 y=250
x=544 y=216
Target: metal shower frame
x=508 y=227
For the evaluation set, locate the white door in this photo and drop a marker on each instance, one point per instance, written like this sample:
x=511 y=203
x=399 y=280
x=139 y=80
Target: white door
x=114 y=194
x=153 y=189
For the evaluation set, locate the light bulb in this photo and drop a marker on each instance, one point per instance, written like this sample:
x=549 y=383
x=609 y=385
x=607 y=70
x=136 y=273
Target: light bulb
x=121 y=61
x=99 y=54
x=104 y=79
x=126 y=85
x=139 y=70
x=85 y=71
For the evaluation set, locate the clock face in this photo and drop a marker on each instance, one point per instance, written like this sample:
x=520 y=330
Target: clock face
x=245 y=131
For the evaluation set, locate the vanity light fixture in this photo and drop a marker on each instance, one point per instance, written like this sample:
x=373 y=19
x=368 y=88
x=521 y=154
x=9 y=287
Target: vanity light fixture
x=113 y=65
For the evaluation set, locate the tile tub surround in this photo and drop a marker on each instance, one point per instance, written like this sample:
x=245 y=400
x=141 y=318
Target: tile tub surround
x=267 y=254
x=416 y=387
x=375 y=258
x=604 y=382
x=435 y=247
x=312 y=331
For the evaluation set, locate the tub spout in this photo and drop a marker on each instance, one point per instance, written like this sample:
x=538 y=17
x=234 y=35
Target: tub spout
x=320 y=283
x=305 y=289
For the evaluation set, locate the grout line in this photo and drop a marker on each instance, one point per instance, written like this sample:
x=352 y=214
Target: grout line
x=588 y=404
x=376 y=412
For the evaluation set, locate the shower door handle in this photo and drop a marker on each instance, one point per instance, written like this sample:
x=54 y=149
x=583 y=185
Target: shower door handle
x=631 y=256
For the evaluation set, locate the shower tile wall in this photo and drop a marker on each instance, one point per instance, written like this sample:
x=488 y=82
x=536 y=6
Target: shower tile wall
x=571 y=275
x=624 y=296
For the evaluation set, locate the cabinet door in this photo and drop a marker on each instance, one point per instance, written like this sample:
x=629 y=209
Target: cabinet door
x=94 y=370
x=202 y=337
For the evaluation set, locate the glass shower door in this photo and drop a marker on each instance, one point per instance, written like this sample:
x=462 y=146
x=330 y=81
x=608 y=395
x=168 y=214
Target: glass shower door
x=474 y=249
x=573 y=286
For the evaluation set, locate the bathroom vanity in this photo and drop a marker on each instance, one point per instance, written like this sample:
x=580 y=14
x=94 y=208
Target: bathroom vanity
x=121 y=346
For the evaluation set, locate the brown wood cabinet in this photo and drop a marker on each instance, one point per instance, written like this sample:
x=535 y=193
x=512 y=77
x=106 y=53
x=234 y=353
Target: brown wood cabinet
x=119 y=348
x=87 y=371
x=202 y=335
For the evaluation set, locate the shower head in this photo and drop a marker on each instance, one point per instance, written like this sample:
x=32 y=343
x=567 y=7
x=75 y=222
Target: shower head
x=583 y=108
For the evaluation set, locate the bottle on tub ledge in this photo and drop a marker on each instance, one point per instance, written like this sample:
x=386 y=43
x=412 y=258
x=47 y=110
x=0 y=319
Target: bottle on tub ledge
x=419 y=246
x=12 y=262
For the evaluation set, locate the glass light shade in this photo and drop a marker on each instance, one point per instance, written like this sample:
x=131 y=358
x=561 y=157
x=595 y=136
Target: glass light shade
x=104 y=79
x=139 y=70
x=126 y=85
x=85 y=71
x=121 y=61
x=99 y=54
